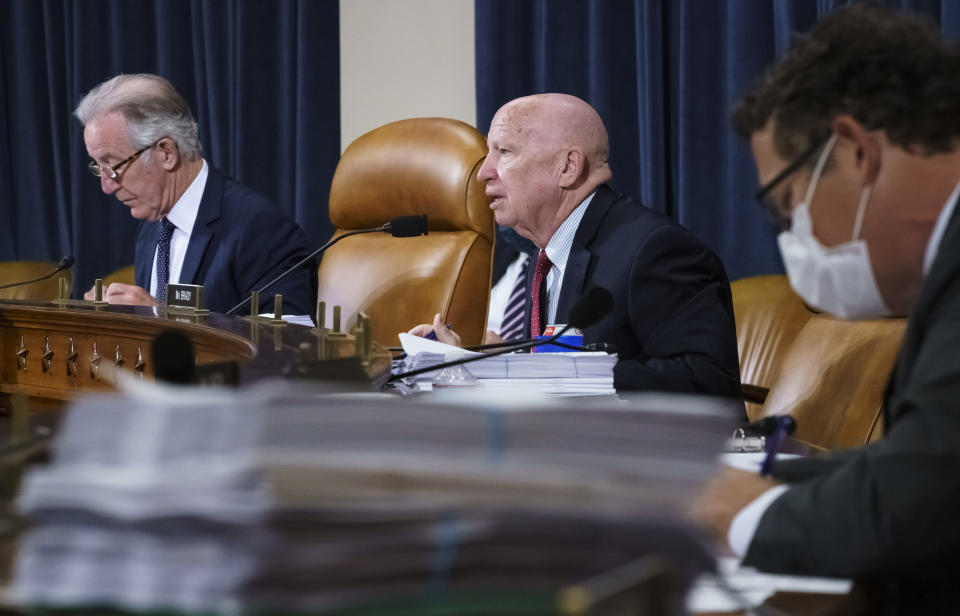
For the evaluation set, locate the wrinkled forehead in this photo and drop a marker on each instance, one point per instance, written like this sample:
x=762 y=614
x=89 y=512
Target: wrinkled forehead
x=518 y=124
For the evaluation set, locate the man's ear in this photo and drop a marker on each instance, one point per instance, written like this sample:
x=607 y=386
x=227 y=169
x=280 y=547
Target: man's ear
x=169 y=153
x=574 y=165
x=864 y=144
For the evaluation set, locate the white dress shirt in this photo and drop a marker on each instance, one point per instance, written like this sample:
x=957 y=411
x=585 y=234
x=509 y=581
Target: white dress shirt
x=745 y=523
x=182 y=215
x=500 y=293
x=558 y=251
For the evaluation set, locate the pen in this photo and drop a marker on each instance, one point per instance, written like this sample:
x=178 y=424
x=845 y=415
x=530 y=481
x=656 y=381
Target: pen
x=785 y=425
x=433 y=334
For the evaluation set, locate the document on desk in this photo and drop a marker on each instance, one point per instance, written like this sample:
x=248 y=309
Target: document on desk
x=754 y=587
x=552 y=374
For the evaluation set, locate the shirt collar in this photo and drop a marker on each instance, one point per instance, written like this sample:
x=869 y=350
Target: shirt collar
x=558 y=248
x=933 y=244
x=184 y=211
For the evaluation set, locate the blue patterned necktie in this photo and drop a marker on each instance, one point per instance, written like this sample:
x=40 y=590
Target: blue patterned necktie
x=512 y=326
x=163 y=259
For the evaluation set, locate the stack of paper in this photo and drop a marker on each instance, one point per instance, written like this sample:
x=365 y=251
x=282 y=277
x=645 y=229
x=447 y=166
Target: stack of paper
x=150 y=501
x=277 y=498
x=551 y=374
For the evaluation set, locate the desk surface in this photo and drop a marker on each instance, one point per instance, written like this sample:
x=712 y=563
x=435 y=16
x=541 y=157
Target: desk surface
x=50 y=351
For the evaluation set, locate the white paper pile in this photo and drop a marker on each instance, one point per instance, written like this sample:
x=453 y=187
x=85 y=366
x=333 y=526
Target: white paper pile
x=151 y=501
x=551 y=374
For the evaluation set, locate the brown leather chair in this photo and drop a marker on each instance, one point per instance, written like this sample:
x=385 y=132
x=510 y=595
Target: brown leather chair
x=44 y=290
x=418 y=166
x=769 y=316
x=829 y=373
x=125 y=275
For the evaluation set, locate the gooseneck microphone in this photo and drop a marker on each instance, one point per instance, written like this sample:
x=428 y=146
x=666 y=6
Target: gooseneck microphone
x=590 y=308
x=401 y=226
x=64 y=264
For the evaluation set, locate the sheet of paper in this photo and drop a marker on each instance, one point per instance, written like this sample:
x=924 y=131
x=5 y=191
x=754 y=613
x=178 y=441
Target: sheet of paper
x=296 y=319
x=709 y=595
x=751 y=461
x=414 y=345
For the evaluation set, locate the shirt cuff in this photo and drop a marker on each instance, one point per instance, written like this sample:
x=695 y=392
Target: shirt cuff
x=745 y=523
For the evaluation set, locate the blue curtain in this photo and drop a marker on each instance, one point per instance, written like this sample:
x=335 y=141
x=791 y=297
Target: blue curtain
x=664 y=75
x=262 y=79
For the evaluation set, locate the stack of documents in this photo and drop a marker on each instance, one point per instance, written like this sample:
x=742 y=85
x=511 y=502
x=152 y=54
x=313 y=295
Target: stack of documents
x=552 y=374
x=280 y=498
x=150 y=501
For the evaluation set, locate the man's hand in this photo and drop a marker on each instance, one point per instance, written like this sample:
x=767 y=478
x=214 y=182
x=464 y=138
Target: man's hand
x=444 y=333
x=492 y=337
x=724 y=497
x=128 y=294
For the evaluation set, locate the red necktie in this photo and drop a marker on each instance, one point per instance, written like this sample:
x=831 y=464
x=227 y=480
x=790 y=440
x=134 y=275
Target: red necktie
x=537 y=315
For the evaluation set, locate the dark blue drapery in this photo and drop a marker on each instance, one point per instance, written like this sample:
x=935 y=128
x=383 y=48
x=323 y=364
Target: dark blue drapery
x=664 y=75
x=261 y=77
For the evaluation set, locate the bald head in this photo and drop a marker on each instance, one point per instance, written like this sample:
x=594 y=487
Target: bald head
x=561 y=121
x=548 y=152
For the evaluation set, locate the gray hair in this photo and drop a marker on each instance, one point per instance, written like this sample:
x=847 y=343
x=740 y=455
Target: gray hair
x=152 y=108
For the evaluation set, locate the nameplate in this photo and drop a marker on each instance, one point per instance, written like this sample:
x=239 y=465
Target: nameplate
x=186 y=298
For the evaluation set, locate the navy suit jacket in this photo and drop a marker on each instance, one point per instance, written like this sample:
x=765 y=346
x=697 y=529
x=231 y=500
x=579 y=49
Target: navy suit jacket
x=672 y=318
x=240 y=241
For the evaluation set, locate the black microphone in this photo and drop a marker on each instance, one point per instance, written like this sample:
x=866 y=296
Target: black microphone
x=590 y=308
x=173 y=358
x=64 y=264
x=407 y=226
x=768 y=425
x=401 y=226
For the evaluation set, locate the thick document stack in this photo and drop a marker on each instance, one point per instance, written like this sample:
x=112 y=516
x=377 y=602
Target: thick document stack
x=280 y=498
x=551 y=374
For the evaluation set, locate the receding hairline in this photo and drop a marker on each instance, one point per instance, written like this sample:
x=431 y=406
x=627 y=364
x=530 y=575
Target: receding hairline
x=121 y=90
x=565 y=119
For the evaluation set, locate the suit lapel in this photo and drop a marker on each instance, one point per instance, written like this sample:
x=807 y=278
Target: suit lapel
x=143 y=259
x=202 y=232
x=578 y=261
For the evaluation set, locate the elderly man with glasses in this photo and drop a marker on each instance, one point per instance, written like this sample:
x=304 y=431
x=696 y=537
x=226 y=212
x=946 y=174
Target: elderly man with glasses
x=199 y=226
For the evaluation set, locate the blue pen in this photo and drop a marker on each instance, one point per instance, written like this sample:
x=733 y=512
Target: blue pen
x=785 y=425
x=433 y=333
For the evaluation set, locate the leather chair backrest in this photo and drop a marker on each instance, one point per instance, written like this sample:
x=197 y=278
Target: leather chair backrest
x=125 y=275
x=45 y=290
x=829 y=373
x=833 y=377
x=417 y=166
x=769 y=315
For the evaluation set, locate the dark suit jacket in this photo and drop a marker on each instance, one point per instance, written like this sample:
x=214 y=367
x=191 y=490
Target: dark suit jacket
x=889 y=511
x=672 y=320
x=239 y=242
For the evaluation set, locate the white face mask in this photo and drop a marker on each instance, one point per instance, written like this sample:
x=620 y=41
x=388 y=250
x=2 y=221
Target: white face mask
x=839 y=279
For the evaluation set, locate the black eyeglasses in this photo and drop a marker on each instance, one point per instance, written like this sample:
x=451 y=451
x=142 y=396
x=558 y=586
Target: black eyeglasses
x=114 y=171
x=780 y=212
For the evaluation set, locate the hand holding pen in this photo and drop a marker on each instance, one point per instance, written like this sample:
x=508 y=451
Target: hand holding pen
x=438 y=330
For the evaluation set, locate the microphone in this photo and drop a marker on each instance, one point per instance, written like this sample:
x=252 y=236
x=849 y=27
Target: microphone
x=769 y=425
x=407 y=226
x=590 y=308
x=173 y=358
x=64 y=264
x=401 y=226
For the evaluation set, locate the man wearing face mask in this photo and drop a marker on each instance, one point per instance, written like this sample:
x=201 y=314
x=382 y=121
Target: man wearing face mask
x=856 y=137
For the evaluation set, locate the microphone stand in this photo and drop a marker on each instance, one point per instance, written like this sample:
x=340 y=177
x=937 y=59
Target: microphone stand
x=311 y=256
x=59 y=269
